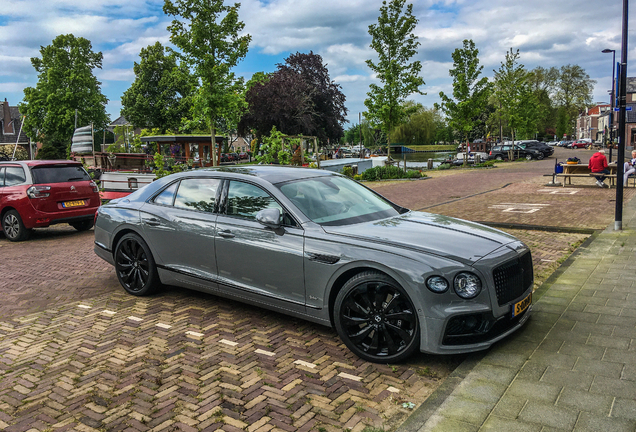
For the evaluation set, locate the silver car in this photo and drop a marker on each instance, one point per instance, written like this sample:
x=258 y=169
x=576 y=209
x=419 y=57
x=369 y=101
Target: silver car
x=317 y=245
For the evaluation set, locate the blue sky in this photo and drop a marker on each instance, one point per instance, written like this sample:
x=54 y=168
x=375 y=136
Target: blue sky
x=547 y=33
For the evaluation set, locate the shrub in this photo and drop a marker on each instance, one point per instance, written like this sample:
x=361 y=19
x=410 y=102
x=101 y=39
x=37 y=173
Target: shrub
x=357 y=177
x=444 y=167
x=348 y=171
x=388 y=172
x=20 y=153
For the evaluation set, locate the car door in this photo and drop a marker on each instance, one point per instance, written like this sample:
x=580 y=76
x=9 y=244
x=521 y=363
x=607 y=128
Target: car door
x=179 y=226
x=1 y=188
x=261 y=263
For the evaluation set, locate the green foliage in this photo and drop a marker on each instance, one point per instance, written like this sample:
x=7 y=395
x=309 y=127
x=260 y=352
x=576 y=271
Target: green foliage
x=272 y=150
x=395 y=43
x=515 y=101
x=388 y=172
x=207 y=36
x=20 y=153
x=65 y=83
x=419 y=128
x=161 y=95
x=160 y=170
x=563 y=123
x=442 y=167
x=348 y=171
x=573 y=92
x=470 y=94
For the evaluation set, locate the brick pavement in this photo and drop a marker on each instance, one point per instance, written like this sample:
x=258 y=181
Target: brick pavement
x=76 y=353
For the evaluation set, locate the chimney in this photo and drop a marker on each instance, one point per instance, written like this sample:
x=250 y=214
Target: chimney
x=6 y=116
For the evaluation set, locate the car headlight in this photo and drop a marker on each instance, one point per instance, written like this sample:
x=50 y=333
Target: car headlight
x=437 y=284
x=467 y=285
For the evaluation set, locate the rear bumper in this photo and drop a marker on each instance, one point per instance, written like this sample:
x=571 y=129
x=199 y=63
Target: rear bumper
x=38 y=219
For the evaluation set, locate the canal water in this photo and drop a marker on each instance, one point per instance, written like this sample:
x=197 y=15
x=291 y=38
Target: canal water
x=420 y=160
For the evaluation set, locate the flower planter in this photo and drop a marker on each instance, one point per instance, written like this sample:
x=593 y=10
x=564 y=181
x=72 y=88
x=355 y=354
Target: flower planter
x=572 y=163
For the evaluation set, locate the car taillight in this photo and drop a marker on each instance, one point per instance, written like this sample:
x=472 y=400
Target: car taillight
x=38 y=191
x=94 y=186
x=490 y=154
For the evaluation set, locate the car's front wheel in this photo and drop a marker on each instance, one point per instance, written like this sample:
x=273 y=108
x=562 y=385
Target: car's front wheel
x=84 y=225
x=135 y=266
x=540 y=156
x=13 y=227
x=528 y=157
x=376 y=319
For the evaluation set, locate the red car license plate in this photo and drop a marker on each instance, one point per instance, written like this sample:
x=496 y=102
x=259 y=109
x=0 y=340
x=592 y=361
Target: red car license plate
x=77 y=203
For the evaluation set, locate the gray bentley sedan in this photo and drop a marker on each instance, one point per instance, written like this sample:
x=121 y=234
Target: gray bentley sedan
x=320 y=246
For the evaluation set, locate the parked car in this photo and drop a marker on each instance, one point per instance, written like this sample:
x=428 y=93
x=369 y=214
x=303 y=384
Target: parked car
x=579 y=144
x=225 y=157
x=243 y=155
x=35 y=194
x=501 y=152
x=233 y=156
x=542 y=147
x=324 y=248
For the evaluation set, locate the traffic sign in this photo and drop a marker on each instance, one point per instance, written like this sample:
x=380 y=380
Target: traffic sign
x=626 y=108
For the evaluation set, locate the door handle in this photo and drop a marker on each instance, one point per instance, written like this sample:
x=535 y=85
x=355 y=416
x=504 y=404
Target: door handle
x=226 y=234
x=153 y=222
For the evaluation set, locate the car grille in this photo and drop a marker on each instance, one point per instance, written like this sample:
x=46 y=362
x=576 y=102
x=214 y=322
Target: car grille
x=513 y=278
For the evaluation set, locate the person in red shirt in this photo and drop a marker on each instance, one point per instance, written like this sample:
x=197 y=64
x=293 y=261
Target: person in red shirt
x=598 y=164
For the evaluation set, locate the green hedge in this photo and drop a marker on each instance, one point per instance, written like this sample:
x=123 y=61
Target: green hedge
x=389 y=172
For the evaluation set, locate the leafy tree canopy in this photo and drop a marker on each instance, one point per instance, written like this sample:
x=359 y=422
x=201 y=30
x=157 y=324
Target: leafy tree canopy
x=298 y=99
x=419 y=128
x=209 y=40
x=470 y=93
x=65 y=83
x=161 y=95
x=395 y=44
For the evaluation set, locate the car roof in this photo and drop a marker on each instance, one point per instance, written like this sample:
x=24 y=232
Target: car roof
x=32 y=163
x=270 y=173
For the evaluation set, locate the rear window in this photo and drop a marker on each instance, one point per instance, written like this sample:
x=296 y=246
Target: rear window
x=59 y=174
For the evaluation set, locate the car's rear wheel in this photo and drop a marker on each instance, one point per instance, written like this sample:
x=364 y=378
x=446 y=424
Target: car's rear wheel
x=84 y=225
x=13 y=227
x=499 y=157
x=376 y=319
x=135 y=266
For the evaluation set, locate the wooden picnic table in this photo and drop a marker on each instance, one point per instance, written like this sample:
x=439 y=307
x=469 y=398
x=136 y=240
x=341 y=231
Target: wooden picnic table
x=583 y=170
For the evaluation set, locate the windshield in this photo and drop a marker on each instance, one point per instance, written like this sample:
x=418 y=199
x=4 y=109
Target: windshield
x=337 y=201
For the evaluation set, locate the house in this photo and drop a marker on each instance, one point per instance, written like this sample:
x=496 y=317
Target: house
x=604 y=126
x=587 y=123
x=10 y=123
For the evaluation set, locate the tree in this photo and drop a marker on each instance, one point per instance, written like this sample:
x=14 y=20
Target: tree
x=65 y=84
x=574 y=92
x=470 y=93
x=419 y=128
x=299 y=98
x=515 y=101
x=161 y=94
x=395 y=43
x=352 y=135
x=208 y=40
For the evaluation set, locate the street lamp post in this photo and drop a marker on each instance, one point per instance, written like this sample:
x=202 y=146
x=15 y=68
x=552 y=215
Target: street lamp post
x=613 y=95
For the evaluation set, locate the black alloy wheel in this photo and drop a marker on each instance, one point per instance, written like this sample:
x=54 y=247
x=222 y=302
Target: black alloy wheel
x=528 y=156
x=135 y=266
x=376 y=319
x=84 y=225
x=13 y=227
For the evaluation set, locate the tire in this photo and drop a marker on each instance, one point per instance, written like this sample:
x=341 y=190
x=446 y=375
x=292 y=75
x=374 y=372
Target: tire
x=13 y=227
x=84 y=225
x=376 y=319
x=528 y=157
x=540 y=156
x=499 y=157
x=135 y=266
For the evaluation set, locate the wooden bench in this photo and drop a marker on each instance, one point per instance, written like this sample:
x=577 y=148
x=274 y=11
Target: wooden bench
x=612 y=178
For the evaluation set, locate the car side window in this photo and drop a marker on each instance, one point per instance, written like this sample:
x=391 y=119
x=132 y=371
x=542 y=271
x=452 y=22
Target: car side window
x=245 y=200
x=14 y=176
x=167 y=196
x=197 y=194
x=1 y=176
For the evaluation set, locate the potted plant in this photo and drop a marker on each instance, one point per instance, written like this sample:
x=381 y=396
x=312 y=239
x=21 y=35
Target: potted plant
x=573 y=160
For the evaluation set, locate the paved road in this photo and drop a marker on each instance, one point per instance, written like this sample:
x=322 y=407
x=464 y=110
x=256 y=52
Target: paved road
x=77 y=353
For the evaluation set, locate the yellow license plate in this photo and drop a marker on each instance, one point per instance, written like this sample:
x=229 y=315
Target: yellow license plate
x=73 y=203
x=519 y=307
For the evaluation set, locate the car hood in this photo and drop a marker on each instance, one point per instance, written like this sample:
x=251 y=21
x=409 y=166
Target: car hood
x=444 y=236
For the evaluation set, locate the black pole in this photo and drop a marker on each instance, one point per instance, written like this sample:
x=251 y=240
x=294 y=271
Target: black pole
x=613 y=97
x=622 y=83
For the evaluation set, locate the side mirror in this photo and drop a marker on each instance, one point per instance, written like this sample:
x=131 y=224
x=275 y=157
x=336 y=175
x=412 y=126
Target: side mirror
x=269 y=217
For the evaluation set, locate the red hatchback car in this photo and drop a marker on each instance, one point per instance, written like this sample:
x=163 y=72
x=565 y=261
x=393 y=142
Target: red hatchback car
x=580 y=144
x=35 y=194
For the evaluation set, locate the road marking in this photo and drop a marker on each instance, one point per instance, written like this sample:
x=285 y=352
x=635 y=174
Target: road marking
x=304 y=363
x=559 y=191
x=163 y=326
x=519 y=208
x=267 y=353
x=227 y=342
x=351 y=377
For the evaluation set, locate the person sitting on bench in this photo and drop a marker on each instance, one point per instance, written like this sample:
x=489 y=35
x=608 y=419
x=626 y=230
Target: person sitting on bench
x=598 y=165
x=629 y=168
